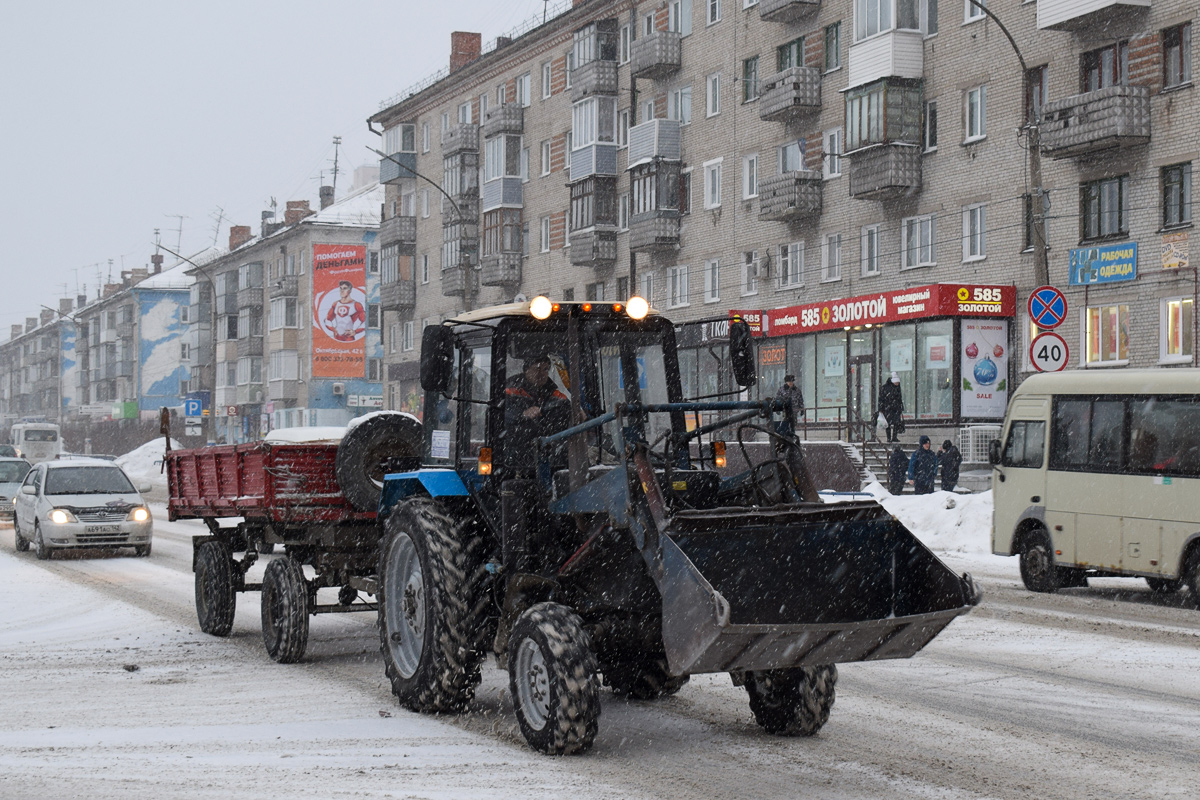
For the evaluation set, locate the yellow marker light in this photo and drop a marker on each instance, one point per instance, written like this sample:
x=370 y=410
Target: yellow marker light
x=140 y=514
x=59 y=516
x=587 y=307
x=485 y=461
x=540 y=307
x=637 y=307
x=617 y=308
x=718 y=449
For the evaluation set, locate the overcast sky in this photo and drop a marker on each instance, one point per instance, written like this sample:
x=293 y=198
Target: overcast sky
x=117 y=116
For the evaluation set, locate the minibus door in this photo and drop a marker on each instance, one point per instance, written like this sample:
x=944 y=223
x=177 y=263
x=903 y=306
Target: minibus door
x=1019 y=480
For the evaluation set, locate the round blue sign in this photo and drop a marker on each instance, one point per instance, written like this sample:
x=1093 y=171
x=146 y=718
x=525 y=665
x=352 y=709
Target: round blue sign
x=1047 y=307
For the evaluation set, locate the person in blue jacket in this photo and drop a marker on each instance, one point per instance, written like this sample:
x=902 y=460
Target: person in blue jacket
x=922 y=467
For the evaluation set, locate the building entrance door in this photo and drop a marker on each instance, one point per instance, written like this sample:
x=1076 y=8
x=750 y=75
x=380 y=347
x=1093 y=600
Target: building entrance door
x=860 y=392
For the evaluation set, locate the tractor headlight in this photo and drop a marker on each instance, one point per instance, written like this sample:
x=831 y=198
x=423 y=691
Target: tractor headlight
x=61 y=516
x=139 y=514
x=540 y=307
x=637 y=307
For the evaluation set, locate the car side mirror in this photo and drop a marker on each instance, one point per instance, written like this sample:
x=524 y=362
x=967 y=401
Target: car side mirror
x=144 y=488
x=437 y=358
x=994 y=452
x=29 y=489
x=741 y=353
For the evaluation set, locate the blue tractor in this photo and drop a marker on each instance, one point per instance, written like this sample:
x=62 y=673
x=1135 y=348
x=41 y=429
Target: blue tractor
x=572 y=516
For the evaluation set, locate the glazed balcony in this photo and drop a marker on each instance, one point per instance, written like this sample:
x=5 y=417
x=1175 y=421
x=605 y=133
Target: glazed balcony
x=894 y=54
x=790 y=93
x=396 y=167
x=594 y=248
x=656 y=56
x=398 y=229
x=654 y=232
x=791 y=196
x=787 y=10
x=656 y=138
x=500 y=269
x=499 y=120
x=400 y=296
x=283 y=390
x=249 y=346
x=1074 y=15
x=885 y=171
x=1111 y=118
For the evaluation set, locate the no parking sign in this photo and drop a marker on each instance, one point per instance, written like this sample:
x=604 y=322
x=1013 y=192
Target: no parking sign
x=1047 y=307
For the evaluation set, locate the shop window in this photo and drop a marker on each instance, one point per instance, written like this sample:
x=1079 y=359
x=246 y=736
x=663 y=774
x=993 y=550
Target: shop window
x=1107 y=334
x=1178 y=330
x=831 y=376
x=934 y=384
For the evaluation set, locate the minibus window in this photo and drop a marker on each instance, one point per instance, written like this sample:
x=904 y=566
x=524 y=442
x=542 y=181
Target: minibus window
x=1026 y=445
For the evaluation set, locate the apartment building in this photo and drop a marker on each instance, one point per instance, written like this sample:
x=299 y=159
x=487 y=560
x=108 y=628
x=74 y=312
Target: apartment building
x=285 y=327
x=852 y=175
x=38 y=367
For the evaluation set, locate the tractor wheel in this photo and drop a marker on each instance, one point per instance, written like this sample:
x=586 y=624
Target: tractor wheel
x=285 y=611
x=433 y=604
x=41 y=549
x=792 y=702
x=216 y=598
x=364 y=452
x=645 y=679
x=22 y=544
x=1164 y=585
x=552 y=675
x=1038 y=571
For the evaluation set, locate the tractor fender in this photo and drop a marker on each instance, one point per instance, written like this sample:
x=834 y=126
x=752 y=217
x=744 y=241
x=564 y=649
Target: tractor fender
x=400 y=486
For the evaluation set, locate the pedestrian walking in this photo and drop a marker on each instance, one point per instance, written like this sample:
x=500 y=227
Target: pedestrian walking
x=897 y=470
x=891 y=406
x=791 y=399
x=922 y=467
x=950 y=460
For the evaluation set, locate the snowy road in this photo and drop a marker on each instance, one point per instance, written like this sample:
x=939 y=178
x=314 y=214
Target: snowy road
x=1088 y=693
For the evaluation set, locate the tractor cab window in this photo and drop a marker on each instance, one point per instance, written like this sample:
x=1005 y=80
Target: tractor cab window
x=633 y=369
x=477 y=387
x=537 y=394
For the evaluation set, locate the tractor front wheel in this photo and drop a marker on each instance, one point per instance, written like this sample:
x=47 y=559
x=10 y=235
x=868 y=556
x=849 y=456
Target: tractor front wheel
x=792 y=702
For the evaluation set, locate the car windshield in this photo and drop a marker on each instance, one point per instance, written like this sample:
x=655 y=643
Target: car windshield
x=41 y=436
x=87 y=480
x=13 y=471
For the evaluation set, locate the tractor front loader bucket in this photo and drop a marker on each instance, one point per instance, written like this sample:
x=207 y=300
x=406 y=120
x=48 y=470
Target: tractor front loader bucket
x=798 y=585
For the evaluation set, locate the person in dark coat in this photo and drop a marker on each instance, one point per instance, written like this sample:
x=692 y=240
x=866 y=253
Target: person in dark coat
x=891 y=405
x=792 y=399
x=922 y=468
x=951 y=460
x=897 y=470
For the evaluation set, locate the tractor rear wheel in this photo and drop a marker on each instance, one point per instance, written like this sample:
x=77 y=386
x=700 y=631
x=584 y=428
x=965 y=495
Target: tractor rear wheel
x=792 y=702
x=285 y=611
x=552 y=675
x=216 y=598
x=433 y=604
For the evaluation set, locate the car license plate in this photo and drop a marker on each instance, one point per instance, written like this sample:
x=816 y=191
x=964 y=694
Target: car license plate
x=103 y=529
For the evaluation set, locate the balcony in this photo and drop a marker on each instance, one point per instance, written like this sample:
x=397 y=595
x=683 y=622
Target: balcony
x=400 y=296
x=124 y=330
x=250 y=298
x=454 y=281
x=594 y=247
x=594 y=77
x=281 y=390
x=787 y=10
x=885 y=171
x=287 y=286
x=507 y=192
x=467 y=212
x=396 y=167
x=459 y=138
x=398 y=229
x=500 y=269
x=657 y=138
x=790 y=94
x=656 y=56
x=654 y=232
x=499 y=120
x=1074 y=15
x=249 y=346
x=227 y=304
x=250 y=394
x=894 y=54
x=594 y=159
x=790 y=196
x=124 y=369
x=1106 y=119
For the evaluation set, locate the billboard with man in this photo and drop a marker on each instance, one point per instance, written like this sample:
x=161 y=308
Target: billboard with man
x=339 y=310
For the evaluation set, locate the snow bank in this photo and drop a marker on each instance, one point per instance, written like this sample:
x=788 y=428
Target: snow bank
x=964 y=528
x=316 y=433
x=144 y=464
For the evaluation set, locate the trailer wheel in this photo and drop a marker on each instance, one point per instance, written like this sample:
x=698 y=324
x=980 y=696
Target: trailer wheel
x=1038 y=571
x=643 y=679
x=365 y=451
x=216 y=598
x=552 y=675
x=792 y=702
x=432 y=607
x=22 y=544
x=285 y=611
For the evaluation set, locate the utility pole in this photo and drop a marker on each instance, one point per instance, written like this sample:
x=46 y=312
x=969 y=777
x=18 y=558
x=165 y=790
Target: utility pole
x=337 y=143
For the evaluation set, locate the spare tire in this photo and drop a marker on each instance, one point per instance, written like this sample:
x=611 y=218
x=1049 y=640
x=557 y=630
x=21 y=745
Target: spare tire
x=385 y=441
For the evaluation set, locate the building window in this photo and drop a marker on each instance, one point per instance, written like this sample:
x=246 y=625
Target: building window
x=712 y=184
x=406 y=342
x=679 y=104
x=712 y=281
x=525 y=90
x=929 y=19
x=623 y=212
x=749 y=3
x=374 y=368
x=750 y=177
x=424 y=137
x=919 y=247
x=677 y=287
x=445 y=121
x=790 y=272
x=648 y=287
x=647 y=110
x=1107 y=334
x=1037 y=84
x=624 y=43
x=872 y=17
x=714 y=11
x=685 y=192
x=831 y=257
x=464 y=113
x=425 y=268
x=974 y=233
x=623 y=288
x=930 y=137
x=679 y=16
x=570 y=66
x=1108 y=66
x=594 y=292
x=425 y=204
x=750 y=79
x=546 y=157
x=712 y=95
x=373 y=261
x=976 y=114
x=883 y=112
x=749 y=272
x=502 y=231
x=483 y=100
x=623 y=128
x=789 y=55
x=972 y=11
x=547 y=79
x=1177 y=55
x=544 y=238
x=1177 y=194
x=283 y=313
x=1178 y=330
x=833 y=153
x=833 y=46
x=1104 y=207
x=791 y=157
x=870 y=249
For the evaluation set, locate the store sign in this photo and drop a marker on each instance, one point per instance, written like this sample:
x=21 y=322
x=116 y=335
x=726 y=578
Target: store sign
x=755 y=319
x=935 y=300
x=984 y=367
x=1175 y=250
x=1112 y=263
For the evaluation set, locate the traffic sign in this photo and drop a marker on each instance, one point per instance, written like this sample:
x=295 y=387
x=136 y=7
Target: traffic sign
x=191 y=420
x=231 y=411
x=1047 y=307
x=192 y=407
x=192 y=430
x=1048 y=352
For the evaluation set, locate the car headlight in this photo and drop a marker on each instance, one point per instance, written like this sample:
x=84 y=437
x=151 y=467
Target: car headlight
x=139 y=514
x=62 y=516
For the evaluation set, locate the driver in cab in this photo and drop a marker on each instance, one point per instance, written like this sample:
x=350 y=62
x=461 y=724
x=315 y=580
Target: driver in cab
x=534 y=407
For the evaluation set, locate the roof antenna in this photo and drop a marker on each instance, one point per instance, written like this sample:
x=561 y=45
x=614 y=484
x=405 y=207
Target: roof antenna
x=337 y=143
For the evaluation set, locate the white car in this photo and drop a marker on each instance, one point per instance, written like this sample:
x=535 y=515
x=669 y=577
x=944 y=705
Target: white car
x=80 y=503
x=12 y=472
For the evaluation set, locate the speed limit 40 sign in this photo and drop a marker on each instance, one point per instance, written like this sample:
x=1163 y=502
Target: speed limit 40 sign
x=1048 y=352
